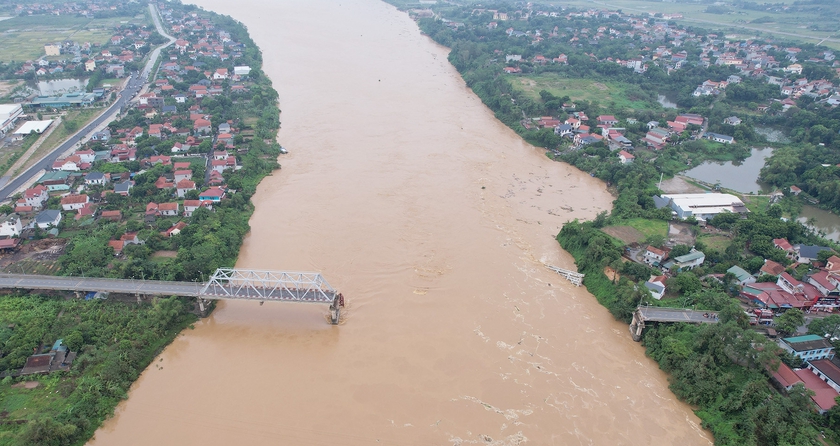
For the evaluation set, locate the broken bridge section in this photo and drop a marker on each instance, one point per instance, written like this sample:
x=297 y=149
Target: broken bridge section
x=283 y=286
x=659 y=314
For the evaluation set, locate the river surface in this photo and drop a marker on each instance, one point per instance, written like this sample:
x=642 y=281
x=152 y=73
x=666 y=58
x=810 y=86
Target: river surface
x=741 y=176
x=433 y=219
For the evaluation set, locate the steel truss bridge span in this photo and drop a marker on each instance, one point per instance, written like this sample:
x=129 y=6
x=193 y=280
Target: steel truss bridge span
x=224 y=283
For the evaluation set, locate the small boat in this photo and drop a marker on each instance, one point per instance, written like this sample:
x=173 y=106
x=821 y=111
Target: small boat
x=283 y=150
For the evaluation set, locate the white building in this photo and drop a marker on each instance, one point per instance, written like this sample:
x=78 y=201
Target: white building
x=9 y=113
x=10 y=227
x=701 y=206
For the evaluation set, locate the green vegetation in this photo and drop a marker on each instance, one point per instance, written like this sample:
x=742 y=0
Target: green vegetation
x=116 y=340
x=615 y=94
x=13 y=157
x=23 y=38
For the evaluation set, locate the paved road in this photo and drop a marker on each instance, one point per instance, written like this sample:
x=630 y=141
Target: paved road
x=164 y=288
x=675 y=315
x=134 y=84
x=150 y=287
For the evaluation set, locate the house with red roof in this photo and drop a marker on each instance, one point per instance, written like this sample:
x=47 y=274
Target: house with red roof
x=174 y=230
x=202 y=126
x=74 y=202
x=183 y=187
x=36 y=196
x=654 y=255
x=214 y=194
x=784 y=245
x=625 y=157
x=169 y=209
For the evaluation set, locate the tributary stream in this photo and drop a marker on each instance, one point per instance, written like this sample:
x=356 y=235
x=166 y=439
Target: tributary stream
x=434 y=220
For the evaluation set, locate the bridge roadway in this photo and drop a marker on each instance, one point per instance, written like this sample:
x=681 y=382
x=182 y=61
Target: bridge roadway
x=164 y=288
x=655 y=314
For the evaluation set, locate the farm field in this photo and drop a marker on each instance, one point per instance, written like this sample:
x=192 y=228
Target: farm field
x=23 y=38
x=818 y=25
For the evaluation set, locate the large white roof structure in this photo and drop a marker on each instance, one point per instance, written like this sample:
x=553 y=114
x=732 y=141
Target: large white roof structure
x=37 y=126
x=705 y=204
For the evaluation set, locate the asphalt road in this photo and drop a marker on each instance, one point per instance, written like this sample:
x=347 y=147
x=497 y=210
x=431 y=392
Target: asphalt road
x=134 y=85
x=675 y=315
x=151 y=287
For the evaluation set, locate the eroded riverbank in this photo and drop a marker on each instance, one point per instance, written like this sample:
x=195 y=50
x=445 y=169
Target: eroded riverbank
x=434 y=220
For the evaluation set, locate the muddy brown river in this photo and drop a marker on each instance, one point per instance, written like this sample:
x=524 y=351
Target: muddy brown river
x=434 y=220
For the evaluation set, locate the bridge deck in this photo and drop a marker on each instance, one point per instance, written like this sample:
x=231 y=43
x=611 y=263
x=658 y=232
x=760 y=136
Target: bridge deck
x=654 y=314
x=230 y=290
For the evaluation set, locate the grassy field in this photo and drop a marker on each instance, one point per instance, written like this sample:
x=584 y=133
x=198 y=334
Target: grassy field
x=605 y=93
x=23 y=38
x=735 y=23
x=717 y=242
x=637 y=230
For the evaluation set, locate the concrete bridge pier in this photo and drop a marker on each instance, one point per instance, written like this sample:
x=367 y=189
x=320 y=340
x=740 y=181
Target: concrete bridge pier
x=637 y=326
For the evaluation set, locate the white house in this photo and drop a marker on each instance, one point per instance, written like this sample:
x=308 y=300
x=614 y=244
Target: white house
x=48 y=218
x=10 y=227
x=625 y=157
x=36 y=196
x=74 y=202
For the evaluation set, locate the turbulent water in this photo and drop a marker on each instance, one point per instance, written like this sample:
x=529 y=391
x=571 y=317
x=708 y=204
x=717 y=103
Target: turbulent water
x=434 y=220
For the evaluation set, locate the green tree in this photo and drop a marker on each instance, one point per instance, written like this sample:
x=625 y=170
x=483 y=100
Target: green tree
x=827 y=326
x=790 y=320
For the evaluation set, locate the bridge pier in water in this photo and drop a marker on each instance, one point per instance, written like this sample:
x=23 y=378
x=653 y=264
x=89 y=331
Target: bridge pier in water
x=637 y=326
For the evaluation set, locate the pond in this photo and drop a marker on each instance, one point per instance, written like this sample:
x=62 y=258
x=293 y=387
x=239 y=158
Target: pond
x=772 y=135
x=822 y=221
x=666 y=101
x=60 y=86
x=741 y=176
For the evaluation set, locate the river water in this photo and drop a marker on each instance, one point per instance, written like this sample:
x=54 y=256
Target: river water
x=433 y=219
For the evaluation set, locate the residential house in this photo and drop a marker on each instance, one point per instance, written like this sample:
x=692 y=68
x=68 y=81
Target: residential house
x=95 y=179
x=686 y=262
x=168 y=209
x=10 y=226
x=742 y=276
x=625 y=157
x=655 y=256
x=656 y=285
x=183 y=187
x=784 y=245
x=822 y=281
x=183 y=175
x=808 y=253
x=48 y=218
x=732 y=120
x=772 y=268
x=808 y=347
x=123 y=188
x=112 y=215
x=214 y=194
x=174 y=230
x=36 y=196
x=717 y=137
x=74 y=202
x=608 y=120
